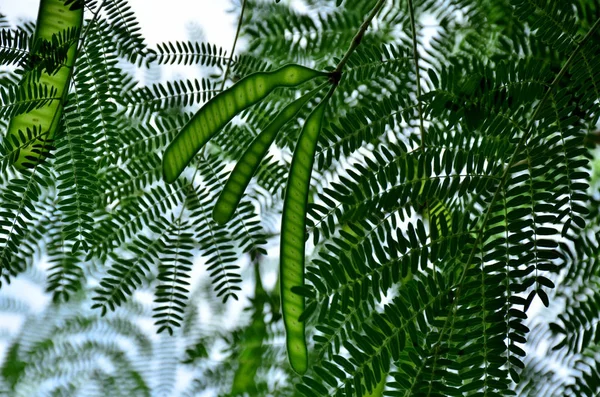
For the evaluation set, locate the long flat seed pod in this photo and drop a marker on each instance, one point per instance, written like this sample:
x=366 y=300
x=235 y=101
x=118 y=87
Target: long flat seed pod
x=293 y=229
x=247 y=165
x=222 y=108
x=56 y=18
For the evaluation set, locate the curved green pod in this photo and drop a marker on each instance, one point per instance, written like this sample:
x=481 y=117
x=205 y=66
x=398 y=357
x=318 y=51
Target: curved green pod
x=246 y=167
x=54 y=17
x=222 y=108
x=293 y=229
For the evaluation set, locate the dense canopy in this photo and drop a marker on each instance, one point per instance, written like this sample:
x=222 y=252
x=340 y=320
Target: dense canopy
x=428 y=199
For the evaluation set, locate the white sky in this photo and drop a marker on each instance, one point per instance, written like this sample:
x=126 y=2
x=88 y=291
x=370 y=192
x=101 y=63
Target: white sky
x=171 y=22
x=159 y=22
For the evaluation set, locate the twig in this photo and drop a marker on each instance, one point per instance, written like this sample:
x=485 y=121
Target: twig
x=417 y=70
x=337 y=73
x=237 y=34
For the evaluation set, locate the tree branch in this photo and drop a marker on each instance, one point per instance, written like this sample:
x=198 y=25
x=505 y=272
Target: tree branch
x=417 y=70
x=337 y=73
x=237 y=34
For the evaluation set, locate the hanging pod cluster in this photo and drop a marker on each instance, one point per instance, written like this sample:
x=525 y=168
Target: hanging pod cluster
x=58 y=27
x=248 y=164
x=208 y=121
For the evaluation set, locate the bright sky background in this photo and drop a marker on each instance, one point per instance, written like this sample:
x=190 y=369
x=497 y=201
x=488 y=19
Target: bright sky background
x=160 y=20
x=162 y=23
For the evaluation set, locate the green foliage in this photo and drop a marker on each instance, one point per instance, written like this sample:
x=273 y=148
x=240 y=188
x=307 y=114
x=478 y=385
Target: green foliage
x=451 y=228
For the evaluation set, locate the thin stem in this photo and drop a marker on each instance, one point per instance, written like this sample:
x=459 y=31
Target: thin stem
x=87 y=28
x=411 y=11
x=417 y=70
x=358 y=38
x=237 y=34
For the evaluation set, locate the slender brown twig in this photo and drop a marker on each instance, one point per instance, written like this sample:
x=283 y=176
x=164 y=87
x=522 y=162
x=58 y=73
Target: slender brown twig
x=411 y=11
x=337 y=73
x=237 y=34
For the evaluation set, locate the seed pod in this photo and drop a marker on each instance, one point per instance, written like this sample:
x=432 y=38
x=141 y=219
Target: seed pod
x=222 y=108
x=293 y=229
x=32 y=132
x=246 y=167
